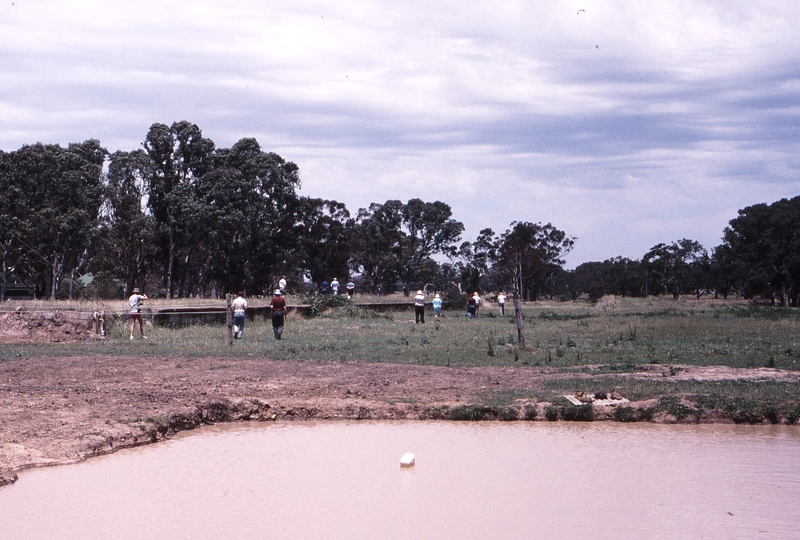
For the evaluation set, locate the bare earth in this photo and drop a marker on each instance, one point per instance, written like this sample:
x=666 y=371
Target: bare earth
x=62 y=410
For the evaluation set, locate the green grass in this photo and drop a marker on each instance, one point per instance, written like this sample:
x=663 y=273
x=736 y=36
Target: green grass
x=558 y=335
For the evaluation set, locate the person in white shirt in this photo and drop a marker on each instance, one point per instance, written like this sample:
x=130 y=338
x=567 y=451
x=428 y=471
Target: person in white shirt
x=335 y=286
x=477 y=304
x=282 y=285
x=419 y=307
x=501 y=302
x=239 y=310
x=136 y=311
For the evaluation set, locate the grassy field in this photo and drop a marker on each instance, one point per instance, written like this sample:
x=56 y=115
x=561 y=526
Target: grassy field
x=619 y=336
x=605 y=340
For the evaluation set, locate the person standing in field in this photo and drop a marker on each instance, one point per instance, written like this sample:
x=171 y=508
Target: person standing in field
x=282 y=285
x=351 y=289
x=437 y=307
x=335 y=287
x=419 y=307
x=323 y=288
x=136 y=311
x=477 y=303
x=278 y=307
x=471 y=307
x=239 y=308
x=501 y=302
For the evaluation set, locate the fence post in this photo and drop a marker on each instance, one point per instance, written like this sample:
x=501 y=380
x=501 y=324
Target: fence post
x=229 y=317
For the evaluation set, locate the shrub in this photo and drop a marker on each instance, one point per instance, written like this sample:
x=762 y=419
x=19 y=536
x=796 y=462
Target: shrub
x=454 y=300
x=324 y=302
x=578 y=413
x=551 y=413
x=632 y=414
x=530 y=412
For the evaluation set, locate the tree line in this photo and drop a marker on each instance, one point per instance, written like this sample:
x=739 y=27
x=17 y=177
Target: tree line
x=185 y=218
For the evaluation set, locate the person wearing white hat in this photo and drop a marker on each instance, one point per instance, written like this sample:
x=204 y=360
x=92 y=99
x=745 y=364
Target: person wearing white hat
x=437 y=306
x=278 y=307
x=419 y=307
x=136 y=311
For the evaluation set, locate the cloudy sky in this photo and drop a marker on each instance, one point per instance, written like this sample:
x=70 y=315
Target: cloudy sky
x=624 y=123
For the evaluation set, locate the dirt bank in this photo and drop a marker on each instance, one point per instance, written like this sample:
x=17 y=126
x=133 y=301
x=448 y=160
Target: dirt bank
x=61 y=410
x=54 y=326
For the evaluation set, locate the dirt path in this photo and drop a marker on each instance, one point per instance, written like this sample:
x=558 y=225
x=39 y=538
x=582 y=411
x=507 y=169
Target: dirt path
x=61 y=410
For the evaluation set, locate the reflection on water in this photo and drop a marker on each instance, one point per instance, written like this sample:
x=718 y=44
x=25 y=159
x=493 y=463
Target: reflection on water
x=472 y=480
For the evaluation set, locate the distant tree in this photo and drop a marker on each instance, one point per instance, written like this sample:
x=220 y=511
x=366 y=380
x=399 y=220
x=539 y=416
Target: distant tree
x=324 y=232
x=529 y=254
x=179 y=155
x=765 y=243
x=475 y=259
x=128 y=241
x=676 y=268
x=61 y=193
x=395 y=242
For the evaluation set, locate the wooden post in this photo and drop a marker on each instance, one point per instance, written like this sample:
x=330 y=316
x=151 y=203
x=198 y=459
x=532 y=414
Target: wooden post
x=229 y=317
x=520 y=323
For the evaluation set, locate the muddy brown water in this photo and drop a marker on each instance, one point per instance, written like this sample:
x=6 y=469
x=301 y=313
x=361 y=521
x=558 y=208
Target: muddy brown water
x=471 y=481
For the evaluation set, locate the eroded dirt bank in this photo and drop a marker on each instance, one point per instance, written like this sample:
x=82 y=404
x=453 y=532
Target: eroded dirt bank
x=61 y=410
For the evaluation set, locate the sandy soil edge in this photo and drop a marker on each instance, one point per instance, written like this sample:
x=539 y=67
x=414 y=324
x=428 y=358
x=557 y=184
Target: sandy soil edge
x=63 y=410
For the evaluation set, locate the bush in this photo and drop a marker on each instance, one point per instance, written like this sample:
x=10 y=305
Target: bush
x=631 y=414
x=454 y=300
x=551 y=413
x=530 y=412
x=324 y=302
x=578 y=413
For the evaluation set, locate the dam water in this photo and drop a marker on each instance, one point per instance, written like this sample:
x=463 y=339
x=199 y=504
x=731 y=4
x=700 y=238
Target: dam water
x=337 y=480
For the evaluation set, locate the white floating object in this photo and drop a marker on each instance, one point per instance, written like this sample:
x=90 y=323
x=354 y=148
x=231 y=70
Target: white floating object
x=407 y=460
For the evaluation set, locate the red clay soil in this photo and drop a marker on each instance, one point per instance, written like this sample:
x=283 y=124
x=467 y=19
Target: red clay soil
x=62 y=410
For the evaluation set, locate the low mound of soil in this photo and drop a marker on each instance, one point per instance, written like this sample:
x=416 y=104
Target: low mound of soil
x=55 y=326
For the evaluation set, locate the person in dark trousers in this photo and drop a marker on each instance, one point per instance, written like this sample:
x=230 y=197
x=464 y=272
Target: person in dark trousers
x=278 y=307
x=419 y=307
x=471 y=307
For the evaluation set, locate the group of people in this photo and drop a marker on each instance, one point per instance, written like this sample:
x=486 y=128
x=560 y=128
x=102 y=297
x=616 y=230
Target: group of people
x=277 y=304
x=278 y=307
x=333 y=288
x=474 y=304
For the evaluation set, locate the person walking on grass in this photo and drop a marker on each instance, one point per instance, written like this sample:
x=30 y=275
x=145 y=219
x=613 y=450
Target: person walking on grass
x=419 y=307
x=477 y=303
x=282 y=284
x=471 y=307
x=437 y=307
x=239 y=309
x=278 y=307
x=335 y=287
x=136 y=311
x=501 y=303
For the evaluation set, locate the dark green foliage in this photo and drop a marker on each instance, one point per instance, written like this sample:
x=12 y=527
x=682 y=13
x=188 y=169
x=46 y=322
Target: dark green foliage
x=551 y=413
x=473 y=413
x=546 y=315
x=672 y=405
x=454 y=300
x=322 y=303
x=530 y=412
x=578 y=413
x=631 y=414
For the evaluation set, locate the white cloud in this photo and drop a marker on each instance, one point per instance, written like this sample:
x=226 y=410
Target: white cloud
x=628 y=124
